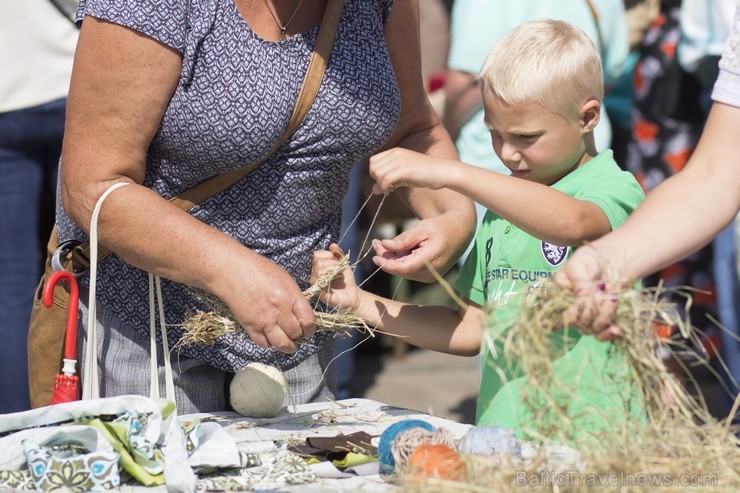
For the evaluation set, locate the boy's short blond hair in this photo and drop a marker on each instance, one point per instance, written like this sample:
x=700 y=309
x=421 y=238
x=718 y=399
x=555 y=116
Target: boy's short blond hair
x=547 y=62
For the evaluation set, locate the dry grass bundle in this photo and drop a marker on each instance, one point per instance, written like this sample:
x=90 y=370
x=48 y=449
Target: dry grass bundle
x=674 y=444
x=205 y=327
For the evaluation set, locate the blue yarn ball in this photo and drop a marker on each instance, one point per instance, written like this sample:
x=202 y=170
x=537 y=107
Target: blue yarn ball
x=385 y=455
x=489 y=440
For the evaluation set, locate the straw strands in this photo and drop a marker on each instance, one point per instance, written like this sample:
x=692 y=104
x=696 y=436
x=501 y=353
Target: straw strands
x=205 y=327
x=674 y=444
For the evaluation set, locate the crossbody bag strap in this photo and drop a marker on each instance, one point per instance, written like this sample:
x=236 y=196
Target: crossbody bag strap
x=79 y=255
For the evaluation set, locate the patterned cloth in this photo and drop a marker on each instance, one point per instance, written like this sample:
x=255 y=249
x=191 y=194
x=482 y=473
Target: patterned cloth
x=105 y=443
x=233 y=101
x=228 y=452
x=54 y=469
x=283 y=469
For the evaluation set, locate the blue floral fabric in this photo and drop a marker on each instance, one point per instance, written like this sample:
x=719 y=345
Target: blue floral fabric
x=98 y=444
x=55 y=469
x=234 y=99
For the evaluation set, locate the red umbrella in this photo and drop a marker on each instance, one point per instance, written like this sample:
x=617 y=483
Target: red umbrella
x=66 y=384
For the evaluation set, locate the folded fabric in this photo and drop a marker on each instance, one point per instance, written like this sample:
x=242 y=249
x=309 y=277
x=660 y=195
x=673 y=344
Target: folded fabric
x=67 y=468
x=144 y=432
x=352 y=459
x=13 y=458
x=210 y=446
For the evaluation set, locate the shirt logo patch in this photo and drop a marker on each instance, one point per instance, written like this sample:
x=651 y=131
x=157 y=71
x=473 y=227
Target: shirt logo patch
x=553 y=254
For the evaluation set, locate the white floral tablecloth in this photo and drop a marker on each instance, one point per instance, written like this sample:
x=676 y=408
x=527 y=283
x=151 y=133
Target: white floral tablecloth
x=138 y=444
x=295 y=425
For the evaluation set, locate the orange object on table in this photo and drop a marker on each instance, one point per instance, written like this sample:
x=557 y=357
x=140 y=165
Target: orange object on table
x=437 y=461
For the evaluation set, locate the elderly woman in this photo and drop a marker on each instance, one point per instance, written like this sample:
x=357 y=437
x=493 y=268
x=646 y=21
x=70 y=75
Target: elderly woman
x=167 y=94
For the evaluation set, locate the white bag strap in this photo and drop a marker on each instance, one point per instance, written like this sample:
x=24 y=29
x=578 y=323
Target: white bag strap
x=90 y=384
x=155 y=285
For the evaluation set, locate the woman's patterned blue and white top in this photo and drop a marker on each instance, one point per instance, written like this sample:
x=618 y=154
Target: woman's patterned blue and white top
x=233 y=101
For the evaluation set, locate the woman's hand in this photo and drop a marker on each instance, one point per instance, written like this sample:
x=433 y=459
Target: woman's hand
x=342 y=291
x=425 y=244
x=266 y=302
x=447 y=217
x=596 y=292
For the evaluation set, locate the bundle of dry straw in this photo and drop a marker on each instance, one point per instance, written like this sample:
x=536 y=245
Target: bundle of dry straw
x=676 y=445
x=205 y=327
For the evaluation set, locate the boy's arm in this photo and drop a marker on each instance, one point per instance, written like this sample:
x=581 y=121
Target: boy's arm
x=540 y=210
x=438 y=328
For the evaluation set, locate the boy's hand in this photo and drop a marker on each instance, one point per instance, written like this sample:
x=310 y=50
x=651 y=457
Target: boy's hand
x=342 y=291
x=399 y=167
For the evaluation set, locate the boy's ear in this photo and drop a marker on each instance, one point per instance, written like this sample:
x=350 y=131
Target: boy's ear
x=590 y=114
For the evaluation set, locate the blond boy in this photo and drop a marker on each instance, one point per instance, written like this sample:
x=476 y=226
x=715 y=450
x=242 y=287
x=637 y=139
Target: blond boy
x=542 y=88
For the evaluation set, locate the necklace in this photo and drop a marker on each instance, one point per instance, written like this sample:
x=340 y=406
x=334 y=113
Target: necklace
x=277 y=19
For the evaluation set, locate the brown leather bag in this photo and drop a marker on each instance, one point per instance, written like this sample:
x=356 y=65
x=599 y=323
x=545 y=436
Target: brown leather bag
x=46 y=332
x=47 y=326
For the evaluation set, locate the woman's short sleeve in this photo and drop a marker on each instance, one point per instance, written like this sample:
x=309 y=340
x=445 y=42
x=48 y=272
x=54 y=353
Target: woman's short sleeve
x=164 y=20
x=727 y=87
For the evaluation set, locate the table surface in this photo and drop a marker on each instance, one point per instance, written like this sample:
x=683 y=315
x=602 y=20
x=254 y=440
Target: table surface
x=325 y=419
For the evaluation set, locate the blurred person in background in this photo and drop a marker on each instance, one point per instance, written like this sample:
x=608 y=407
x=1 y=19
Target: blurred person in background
x=37 y=43
x=666 y=123
x=640 y=14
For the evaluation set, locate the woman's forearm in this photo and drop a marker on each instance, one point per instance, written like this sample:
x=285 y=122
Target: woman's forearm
x=686 y=211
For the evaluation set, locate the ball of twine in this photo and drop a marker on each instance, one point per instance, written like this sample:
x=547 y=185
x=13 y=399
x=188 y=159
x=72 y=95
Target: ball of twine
x=388 y=437
x=258 y=391
x=407 y=441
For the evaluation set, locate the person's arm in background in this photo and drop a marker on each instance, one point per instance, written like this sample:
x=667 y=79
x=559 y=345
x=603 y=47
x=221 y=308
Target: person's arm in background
x=122 y=82
x=462 y=100
x=469 y=47
x=447 y=218
x=678 y=217
x=639 y=15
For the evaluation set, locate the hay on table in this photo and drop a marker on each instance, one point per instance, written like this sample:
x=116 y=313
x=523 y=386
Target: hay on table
x=205 y=327
x=675 y=445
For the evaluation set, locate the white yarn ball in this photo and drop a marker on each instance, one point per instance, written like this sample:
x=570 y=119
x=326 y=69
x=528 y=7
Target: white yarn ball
x=258 y=391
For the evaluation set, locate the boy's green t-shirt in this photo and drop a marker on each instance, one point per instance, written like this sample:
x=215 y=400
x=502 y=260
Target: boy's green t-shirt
x=505 y=265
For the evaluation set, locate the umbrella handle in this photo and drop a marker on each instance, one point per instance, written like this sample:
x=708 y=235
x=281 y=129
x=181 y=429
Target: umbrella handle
x=70 y=341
